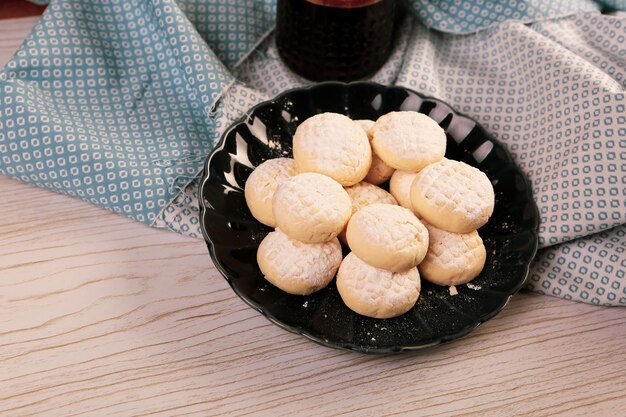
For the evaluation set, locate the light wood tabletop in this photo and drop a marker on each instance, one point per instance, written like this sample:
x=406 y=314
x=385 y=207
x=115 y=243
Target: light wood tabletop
x=103 y=316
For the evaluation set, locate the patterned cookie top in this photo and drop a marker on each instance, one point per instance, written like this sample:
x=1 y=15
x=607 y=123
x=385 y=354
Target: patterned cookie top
x=363 y=194
x=261 y=186
x=387 y=236
x=311 y=207
x=298 y=267
x=376 y=292
x=453 y=250
x=391 y=226
x=453 y=196
x=333 y=145
x=408 y=140
x=452 y=258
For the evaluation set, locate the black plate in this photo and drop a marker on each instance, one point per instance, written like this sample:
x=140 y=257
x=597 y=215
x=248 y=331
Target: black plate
x=233 y=235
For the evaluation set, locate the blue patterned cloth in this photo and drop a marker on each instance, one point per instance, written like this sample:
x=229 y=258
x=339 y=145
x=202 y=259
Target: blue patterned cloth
x=118 y=102
x=461 y=16
x=114 y=101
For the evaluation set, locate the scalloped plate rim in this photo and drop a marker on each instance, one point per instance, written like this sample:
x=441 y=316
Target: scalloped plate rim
x=347 y=345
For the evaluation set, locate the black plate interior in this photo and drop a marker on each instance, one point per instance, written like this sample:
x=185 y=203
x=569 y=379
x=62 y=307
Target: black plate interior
x=233 y=235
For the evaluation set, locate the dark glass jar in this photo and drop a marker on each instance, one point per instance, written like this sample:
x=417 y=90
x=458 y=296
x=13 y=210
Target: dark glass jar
x=342 y=40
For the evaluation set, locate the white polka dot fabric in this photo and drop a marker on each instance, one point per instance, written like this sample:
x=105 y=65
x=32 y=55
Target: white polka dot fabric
x=118 y=102
x=462 y=16
x=110 y=101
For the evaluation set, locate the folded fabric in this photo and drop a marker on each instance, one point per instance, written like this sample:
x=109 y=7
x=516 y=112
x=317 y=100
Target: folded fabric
x=462 y=16
x=119 y=102
x=554 y=93
x=114 y=101
x=468 y=16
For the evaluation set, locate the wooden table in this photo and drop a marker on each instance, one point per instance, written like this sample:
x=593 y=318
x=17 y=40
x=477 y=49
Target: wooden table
x=103 y=316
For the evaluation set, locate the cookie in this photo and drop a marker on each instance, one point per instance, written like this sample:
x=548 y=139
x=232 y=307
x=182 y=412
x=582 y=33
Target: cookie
x=366 y=125
x=379 y=171
x=311 y=207
x=296 y=267
x=400 y=187
x=452 y=258
x=453 y=196
x=261 y=186
x=363 y=194
x=387 y=237
x=375 y=292
x=408 y=140
x=333 y=145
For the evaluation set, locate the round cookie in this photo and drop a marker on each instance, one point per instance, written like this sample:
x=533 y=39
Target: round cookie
x=363 y=194
x=296 y=267
x=311 y=207
x=375 y=292
x=453 y=196
x=408 y=140
x=387 y=237
x=452 y=258
x=333 y=145
x=400 y=187
x=379 y=171
x=261 y=186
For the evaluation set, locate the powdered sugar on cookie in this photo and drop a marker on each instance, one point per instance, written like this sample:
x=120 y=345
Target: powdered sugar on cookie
x=453 y=196
x=432 y=233
x=333 y=145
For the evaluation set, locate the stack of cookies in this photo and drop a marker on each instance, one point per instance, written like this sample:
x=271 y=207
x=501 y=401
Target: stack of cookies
x=329 y=193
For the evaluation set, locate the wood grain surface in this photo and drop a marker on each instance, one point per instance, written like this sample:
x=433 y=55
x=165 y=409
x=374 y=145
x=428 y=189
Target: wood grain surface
x=103 y=316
